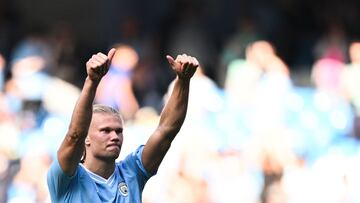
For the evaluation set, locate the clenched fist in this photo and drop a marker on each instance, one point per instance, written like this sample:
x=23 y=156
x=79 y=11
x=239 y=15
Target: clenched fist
x=98 y=65
x=184 y=65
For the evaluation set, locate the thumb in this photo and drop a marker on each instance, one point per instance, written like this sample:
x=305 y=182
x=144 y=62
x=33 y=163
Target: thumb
x=111 y=55
x=170 y=60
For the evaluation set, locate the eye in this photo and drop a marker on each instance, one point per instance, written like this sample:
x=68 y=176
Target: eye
x=106 y=130
x=119 y=131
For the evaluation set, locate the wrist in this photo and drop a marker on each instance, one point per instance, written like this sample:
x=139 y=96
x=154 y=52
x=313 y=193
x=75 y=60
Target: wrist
x=91 y=82
x=182 y=80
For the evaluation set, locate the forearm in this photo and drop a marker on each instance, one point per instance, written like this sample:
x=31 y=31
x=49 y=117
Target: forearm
x=82 y=113
x=174 y=112
x=72 y=148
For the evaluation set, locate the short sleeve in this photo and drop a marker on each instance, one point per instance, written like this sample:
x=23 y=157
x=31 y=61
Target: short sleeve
x=58 y=182
x=133 y=163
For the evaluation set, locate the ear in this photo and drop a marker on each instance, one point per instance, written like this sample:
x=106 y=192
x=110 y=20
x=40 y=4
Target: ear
x=87 y=141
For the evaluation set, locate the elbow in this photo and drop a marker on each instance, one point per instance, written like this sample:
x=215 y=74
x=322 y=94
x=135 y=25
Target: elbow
x=172 y=127
x=74 y=135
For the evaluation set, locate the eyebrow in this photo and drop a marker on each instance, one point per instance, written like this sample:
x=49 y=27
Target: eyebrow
x=110 y=128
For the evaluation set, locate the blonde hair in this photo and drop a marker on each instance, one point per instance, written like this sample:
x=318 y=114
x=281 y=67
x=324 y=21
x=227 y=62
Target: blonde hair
x=104 y=109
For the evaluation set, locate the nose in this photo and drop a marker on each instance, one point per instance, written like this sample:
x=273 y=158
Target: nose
x=115 y=136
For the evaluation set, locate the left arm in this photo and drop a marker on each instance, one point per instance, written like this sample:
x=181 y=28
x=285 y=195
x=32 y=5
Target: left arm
x=173 y=114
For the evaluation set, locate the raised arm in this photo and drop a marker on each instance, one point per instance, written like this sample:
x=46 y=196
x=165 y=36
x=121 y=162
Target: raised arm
x=72 y=147
x=173 y=114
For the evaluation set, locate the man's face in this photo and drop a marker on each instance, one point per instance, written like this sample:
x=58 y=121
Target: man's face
x=105 y=136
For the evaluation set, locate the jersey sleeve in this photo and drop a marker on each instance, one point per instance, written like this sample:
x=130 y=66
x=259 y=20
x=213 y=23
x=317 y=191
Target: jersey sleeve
x=58 y=182
x=134 y=164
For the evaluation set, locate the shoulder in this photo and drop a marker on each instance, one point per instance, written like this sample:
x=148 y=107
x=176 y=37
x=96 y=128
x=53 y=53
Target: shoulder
x=59 y=183
x=57 y=177
x=56 y=170
x=132 y=163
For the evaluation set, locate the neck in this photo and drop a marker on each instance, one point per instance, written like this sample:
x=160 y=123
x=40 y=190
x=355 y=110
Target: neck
x=100 y=167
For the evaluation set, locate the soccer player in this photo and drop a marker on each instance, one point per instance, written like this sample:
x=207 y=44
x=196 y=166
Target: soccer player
x=85 y=169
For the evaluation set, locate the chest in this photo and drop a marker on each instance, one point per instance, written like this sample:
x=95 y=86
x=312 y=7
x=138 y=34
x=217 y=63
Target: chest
x=117 y=191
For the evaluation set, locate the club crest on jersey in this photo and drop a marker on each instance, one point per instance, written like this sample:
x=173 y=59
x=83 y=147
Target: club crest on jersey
x=123 y=188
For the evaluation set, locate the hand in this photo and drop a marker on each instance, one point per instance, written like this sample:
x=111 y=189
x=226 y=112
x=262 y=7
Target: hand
x=98 y=65
x=184 y=65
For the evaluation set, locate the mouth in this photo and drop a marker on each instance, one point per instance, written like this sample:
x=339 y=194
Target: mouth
x=113 y=146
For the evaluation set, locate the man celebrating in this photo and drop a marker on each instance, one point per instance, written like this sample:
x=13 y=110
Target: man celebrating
x=95 y=138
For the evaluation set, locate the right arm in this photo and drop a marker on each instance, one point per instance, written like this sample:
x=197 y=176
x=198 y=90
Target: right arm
x=72 y=147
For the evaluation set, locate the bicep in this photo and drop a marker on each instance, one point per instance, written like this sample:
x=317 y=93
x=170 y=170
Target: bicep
x=70 y=153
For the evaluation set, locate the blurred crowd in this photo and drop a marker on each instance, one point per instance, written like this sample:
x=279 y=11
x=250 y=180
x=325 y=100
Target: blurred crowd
x=257 y=130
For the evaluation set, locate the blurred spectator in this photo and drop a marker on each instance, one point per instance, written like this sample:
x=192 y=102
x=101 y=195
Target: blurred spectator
x=29 y=184
x=350 y=81
x=319 y=116
x=189 y=36
x=29 y=62
x=241 y=81
x=328 y=95
x=9 y=139
x=273 y=85
x=9 y=156
x=271 y=151
x=31 y=98
x=2 y=71
x=32 y=84
x=116 y=88
x=187 y=183
x=235 y=46
x=259 y=85
x=231 y=179
x=64 y=47
x=150 y=78
x=297 y=182
x=326 y=74
x=332 y=44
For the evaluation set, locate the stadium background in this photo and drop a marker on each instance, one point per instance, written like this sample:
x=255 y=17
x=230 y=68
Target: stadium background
x=283 y=130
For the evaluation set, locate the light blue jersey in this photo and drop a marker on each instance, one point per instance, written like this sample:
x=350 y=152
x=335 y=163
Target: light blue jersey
x=125 y=185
